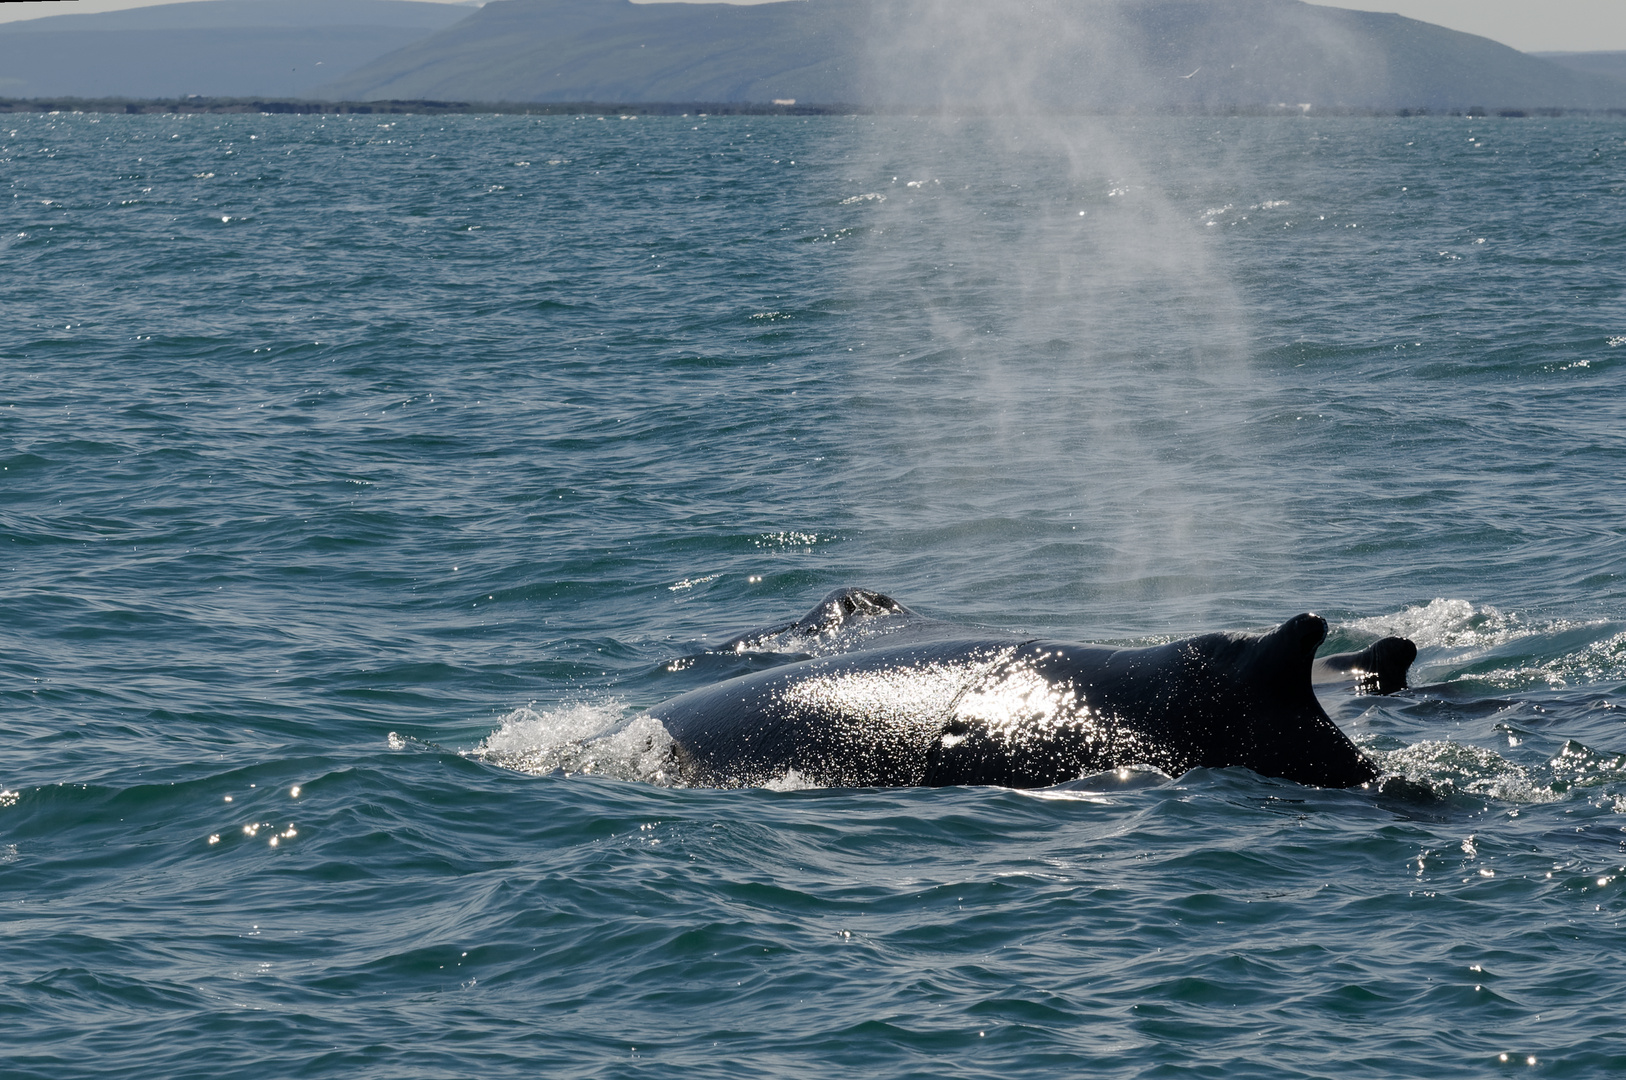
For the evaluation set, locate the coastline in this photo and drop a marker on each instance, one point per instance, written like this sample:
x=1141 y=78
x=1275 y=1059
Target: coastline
x=296 y=106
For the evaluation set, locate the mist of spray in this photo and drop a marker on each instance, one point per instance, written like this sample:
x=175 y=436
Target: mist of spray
x=1076 y=353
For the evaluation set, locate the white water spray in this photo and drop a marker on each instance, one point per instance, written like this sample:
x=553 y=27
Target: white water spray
x=1018 y=259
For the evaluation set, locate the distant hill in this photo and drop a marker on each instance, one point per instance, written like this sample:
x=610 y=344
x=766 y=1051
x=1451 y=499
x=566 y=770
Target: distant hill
x=614 y=50
x=966 y=54
x=1105 y=54
x=1612 y=64
x=220 y=48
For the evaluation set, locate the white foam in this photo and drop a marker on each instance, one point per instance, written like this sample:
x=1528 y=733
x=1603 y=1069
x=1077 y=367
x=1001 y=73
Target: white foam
x=791 y=781
x=1448 y=767
x=1600 y=661
x=1468 y=631
x=1578 y=765
x=586 y=737
x=1450 y=624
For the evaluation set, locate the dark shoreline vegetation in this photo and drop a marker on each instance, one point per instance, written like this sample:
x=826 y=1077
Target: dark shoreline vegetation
x=203 y=105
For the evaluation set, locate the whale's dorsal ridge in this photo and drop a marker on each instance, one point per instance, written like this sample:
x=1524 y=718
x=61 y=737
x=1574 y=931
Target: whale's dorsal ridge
x=1266 y=665
x=1296 y=640
x=1286 y=653
x=1392 y=658
x=1380 y=668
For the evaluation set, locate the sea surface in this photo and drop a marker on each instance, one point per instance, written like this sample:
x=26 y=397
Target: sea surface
x=364 y=479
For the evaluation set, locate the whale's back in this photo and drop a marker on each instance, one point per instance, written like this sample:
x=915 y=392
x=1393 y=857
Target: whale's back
x=1020 y=714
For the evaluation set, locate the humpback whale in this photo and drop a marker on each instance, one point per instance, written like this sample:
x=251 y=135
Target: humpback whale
x=874 y=695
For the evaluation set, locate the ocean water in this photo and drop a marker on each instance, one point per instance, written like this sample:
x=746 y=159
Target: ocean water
x=363 y=480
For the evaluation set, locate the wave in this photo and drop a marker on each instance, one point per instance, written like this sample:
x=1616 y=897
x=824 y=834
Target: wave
x=1458 y=640
x=597 y=738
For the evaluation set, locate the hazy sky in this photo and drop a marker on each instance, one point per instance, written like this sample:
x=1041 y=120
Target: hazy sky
x=1532 y=25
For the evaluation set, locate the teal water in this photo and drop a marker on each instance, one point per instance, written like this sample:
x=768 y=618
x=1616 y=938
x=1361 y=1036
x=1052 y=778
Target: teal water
x=363 y=480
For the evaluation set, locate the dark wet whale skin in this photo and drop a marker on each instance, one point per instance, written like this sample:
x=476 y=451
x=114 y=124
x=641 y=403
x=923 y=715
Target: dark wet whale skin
x=904 y=705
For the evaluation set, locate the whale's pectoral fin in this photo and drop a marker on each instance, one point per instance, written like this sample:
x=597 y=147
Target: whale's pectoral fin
x=1380 y=668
